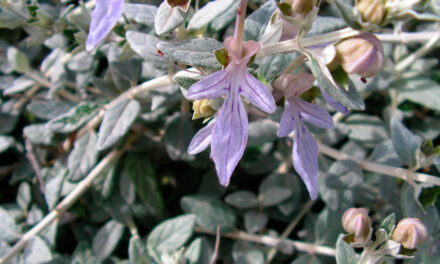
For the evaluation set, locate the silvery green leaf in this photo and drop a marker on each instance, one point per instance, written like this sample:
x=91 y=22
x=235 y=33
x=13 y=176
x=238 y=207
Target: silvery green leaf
x=178 y=135
x=323 y=25
x=350 y=98
x=328 y=226
x=405 y=143
x=384 y=153
x=347 y=13
x=125 y=74
x=140 y=13
x=224 y=19
x=19 y=85
x=244 y=252
x=80 y=17
x=74 y=118
x=168 y=18
x=24 y=196
x=18 y=60
x=242 y=199
x=142 y=175
x=8 y=116
x=47 y=110
x=366 y=129
x=420 y=90
x=344 y=252
x=194 y=251
x=274 y=196
x=6 y=142
x=194 y=52
x=9 y=231
x=255 y=221
x=255 y=24
x=80 y=62
x=106 y=239
x=145 y=46
x=83 y=156
x=83 y=254
x=208 y=12
x=391 y=248
x=54 y=178
x=411 y=207
x=269 y=66
x=37 y=251
x=389 y=223
x=344 y=174
x=171 y=234
x=283 y=180
x=116 y=122
x=210 y=212
x=39 y=134
x=261 y=132
x=137 y=251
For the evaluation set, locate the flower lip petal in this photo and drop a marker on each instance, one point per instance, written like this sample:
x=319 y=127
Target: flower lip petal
x=104 y=17
x=287 y=123
x=257 y=93
x=229 y=136
x=201 y=140
x=314 y=114
x=305 y=158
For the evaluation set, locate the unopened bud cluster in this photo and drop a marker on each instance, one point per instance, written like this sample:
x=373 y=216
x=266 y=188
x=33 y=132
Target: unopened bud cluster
x=410 y=232
x=362 y=55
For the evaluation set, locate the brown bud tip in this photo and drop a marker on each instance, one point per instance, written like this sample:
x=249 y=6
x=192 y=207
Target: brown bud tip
x=410 y=232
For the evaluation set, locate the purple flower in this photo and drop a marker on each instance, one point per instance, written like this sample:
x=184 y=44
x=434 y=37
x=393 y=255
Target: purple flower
x=104 y=17
x=296 y=110
x=228 y=133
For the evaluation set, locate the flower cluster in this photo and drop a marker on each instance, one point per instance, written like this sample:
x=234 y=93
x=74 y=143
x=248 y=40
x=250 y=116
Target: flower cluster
x=227 y=132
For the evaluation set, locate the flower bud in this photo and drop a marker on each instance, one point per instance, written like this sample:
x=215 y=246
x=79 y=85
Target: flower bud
x=410 y=232
x=302 y=7
x=372 y=11
x=356 y=222
x=202 y=108
x=362 y=55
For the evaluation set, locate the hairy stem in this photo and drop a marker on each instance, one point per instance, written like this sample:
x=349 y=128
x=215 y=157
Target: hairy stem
x=380 y=168
x=273 y=241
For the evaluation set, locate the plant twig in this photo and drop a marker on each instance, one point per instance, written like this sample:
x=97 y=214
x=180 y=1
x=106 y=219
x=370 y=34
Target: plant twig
x=67 y=202
x=380 y=168
x=290 y=228
x=273 y=241
x=35 y=164
x=432 y=43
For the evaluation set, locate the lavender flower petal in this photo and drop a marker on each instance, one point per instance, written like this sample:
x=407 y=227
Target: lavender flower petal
x=104 y=17
x=287 y=123
x=201 y=140
x=305 y=158
x=314 y=114
x=212 y=86
x=229 y=136
x=333 y=104
x=257 y=93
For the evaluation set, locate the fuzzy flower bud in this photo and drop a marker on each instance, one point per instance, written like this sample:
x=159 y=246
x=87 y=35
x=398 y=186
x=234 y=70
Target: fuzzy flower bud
x=410 y=232
x=356 y=222
x=372 y=11
x=302 y=7
x=362 y=55
x=202 y=108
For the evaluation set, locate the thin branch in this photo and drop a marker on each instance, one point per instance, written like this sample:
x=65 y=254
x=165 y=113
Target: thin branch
x=67 y=202
x=431 y=44
x=273 y=241
x=291 y=45
x=290 y=228
x=216 y=247
x=35 y=164
x=380 y=168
